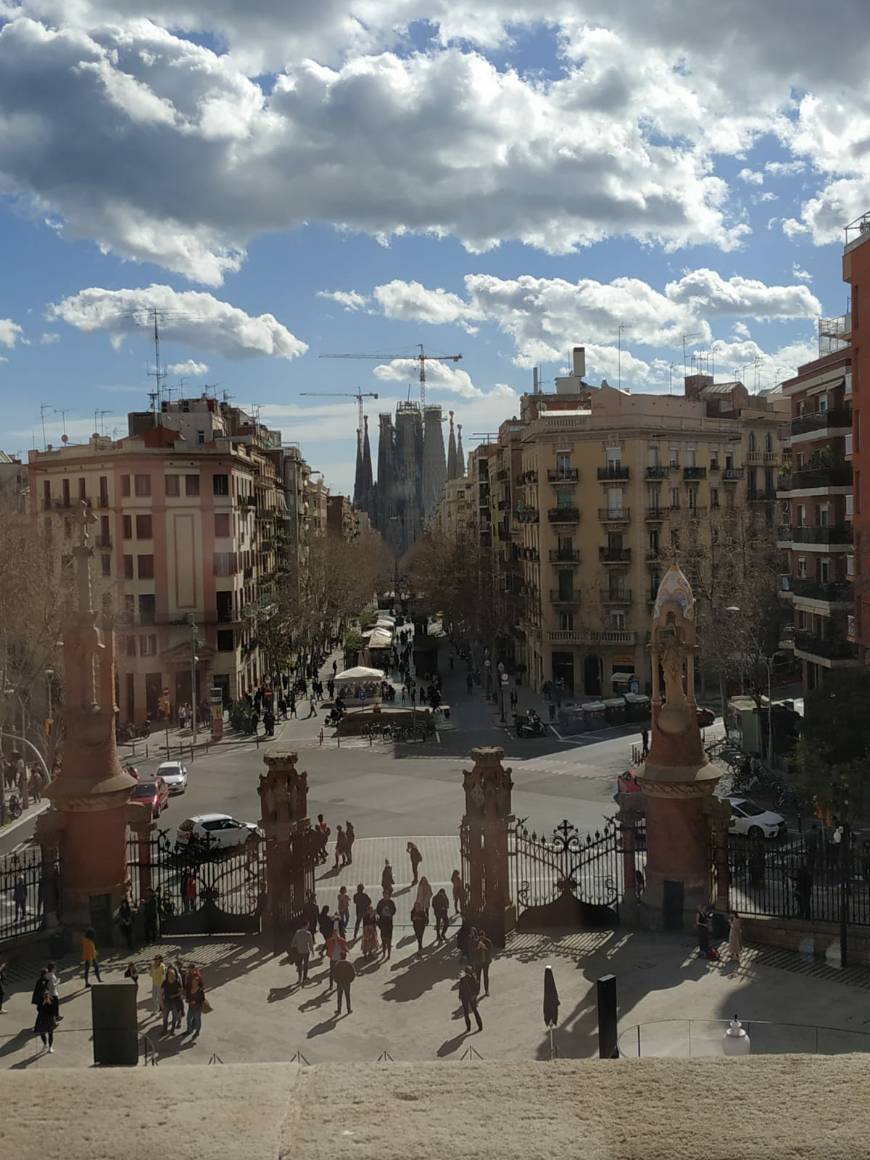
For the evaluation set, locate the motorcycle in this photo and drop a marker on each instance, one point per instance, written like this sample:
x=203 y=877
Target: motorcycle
x=529 y=725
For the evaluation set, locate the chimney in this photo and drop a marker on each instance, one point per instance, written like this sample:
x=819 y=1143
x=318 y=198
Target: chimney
x=534 y=380
x=580 y=361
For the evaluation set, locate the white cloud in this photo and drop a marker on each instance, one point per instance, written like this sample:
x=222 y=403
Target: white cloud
x=792 y=228
x=711 y=295
x=188 y=367
x=768 y=195
x=441 y=376
x=751 y=176
x=49 y=338
x=412 y=301
x=349 y=299
x=741 y=330
x=784 y=168
x=191 y=317
x=801 y=274
x=10 y=333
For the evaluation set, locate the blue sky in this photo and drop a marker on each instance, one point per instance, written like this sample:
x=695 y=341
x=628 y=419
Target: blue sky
x=290 y=180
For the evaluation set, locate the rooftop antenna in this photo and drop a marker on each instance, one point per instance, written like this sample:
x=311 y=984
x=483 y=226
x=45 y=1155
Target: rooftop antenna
x=63 y=414
x=152 y=395
x=619 y=332
x=670 y=378
x=98 y=420
x=157 y=374
x=43 y=407
x=687 y=338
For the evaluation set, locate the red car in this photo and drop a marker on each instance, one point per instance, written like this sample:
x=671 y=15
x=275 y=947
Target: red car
x=705 y=716
x=154 y=793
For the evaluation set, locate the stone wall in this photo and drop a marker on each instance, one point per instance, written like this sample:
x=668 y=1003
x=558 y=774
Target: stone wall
x=819 y=939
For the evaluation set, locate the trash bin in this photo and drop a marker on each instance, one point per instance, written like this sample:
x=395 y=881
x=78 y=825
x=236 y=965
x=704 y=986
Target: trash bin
x=594 y=714
x=615 y=711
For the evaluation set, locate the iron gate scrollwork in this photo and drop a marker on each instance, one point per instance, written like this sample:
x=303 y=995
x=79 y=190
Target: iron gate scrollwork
x=568 y=877
x=196 y=888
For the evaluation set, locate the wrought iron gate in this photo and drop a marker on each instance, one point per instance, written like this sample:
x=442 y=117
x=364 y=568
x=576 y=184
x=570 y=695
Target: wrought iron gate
x=201 y=888
x=29 y=886
x=569 y=877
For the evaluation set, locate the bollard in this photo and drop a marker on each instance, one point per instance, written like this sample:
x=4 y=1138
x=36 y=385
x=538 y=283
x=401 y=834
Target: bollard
x=607 y=1021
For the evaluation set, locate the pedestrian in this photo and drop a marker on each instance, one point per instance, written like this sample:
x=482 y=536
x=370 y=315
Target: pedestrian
x=441 y=909
x=482 y=957
x=173 y=1000
x=469 y=989
x=416 y=858
x=292 y=705
x=424 y=894
x=301 y=950
x=312 y=706
x=343 y=910
x=458 y=892
x=735 y=937
x=370 y=933
x=350 y=835
x=644 y=743
x=45 y=1021
x=125 y=921
x=361 y=902
x=336 y=946
x=419 y=921
x=132 y=973
x=551 y=999
x=195 y=1004
x=386 y=912
x=310 y=913
x=340 y=847
x=326 y=925
x=89 y=955
x=151 y=916
x=466 y=939
x=344 y=976
x=190 y=891
x=157 y=972
x=19 y=897
x=514 y=699
x=387 y=880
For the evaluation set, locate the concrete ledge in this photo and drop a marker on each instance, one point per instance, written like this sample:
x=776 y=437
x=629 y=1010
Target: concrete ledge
x=819 y=939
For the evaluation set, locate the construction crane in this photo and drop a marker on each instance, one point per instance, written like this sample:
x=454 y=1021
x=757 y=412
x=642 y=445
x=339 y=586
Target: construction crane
x=422 y=358
x=358 y=395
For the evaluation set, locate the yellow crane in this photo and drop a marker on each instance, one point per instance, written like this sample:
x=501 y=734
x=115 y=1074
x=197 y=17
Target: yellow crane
x=422 y=358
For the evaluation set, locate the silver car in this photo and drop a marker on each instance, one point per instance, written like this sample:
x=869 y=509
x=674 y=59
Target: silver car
x=175 y=776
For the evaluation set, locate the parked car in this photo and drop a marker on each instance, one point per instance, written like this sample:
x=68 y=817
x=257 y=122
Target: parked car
x=155 y=792
x=753 y=820
x=705 y=716
x=174 y=774
x=219 y=829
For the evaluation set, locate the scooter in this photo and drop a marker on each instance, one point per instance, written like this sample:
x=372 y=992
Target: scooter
x=529 y=724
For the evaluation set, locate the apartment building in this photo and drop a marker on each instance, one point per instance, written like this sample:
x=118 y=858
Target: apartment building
x=816 y=536
x=193 y=517
x=856 y=271
x=594 y=487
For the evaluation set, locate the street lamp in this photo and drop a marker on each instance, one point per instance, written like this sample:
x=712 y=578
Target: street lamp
x=193 y=662
x=768 y=662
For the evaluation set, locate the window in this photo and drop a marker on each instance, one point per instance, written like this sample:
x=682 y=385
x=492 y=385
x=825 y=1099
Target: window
x=714 y=497
x=675 y=457
x=566 y=621
x=145 y=566
x=125 y=485
x=691 y=456
x=675 y=498
x=147 y=609
x=653 y=498
x=768 y=442
x=802 y=567
x=850 y=566
x=225 y=642
x=613 y=457
x=752 y=441
x=128 y=567
x=824 y=571
x=200 y=437
x=171 y=485
x=224 y=563
x=65 y=492
x=614 y=500
x=221 y=483
x=130 y=646
x=46 y=493
x=769 y=485
x=653 y=543
x=142 y=485
x=148 y=645
x=83 y=491
x=692 y=496
x=850 y=504
x=224 y=602
x=222 y=524
x=801 y=515
x=127 y=524
x=822 y=514
x=105 y=536
x=191 y=485
x=143 y=528
x=616 y=621
x=106 y=565
x=823 y=404
x=652 y=455
x=104 y=491
x=714 y=458
x=729 y=462
x=614 y=542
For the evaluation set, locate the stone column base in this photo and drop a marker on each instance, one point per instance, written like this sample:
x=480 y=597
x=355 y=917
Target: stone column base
x=651 y=911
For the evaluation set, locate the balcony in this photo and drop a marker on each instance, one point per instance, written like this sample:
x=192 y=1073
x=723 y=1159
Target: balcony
x=525 y=477
x=581 y=636
x=614 y=515
x=557 y=596
x=613 y=471
x=657 y=472
x=732 y=474
x=564 y=556
x=615 y=595
x=504 y=505
x=563 y=475
x=527 y=515
x=837 y=475
x=694 y=473
x=614 y=555
x=761 y=496
x=832 y=534
x=104 y=541
x=503 y=475
x=832 y=648
x=835 y=592
x=563 y=515
x=822 y=421
x=504 y=534
x=655 y=513
x=696 y=512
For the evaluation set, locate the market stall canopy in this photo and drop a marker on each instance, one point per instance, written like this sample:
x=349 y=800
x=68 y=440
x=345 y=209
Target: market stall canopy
x=360 y=673
x=380 y=638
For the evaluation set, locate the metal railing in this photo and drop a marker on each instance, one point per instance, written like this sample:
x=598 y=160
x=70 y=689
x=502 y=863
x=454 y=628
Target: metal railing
x=833 y=591
x=694 y=473
x=830 y=647
x=832 y=534
x=563 y=475
x=557 y=596
x=613 y=471
x=682 y=1038
x=614 y=515
x=564 y=556
x=563 y=515
x=614 y=555
x=822 y=420
x=615 y=595
x=657 y=472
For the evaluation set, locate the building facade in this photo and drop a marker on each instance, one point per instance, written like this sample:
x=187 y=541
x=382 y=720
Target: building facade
x=193 y=514
x=856 y=271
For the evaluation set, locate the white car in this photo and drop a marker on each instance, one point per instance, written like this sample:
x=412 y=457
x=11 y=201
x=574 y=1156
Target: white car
x=175 y=776
x=753 y=821
x=219 y=829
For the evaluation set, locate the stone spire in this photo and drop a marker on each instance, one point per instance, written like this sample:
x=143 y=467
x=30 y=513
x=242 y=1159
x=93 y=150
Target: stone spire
x=434 y=466
x=358 y=496
x=460 y=454
x=451 y=451
x=367 y=464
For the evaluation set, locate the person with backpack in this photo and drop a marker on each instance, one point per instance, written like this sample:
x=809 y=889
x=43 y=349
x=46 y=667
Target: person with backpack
x=469 y=989
x=361 y=902
x=441 y=910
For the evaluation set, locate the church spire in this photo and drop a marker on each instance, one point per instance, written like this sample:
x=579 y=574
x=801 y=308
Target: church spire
x=460 y=454
x=451 y=451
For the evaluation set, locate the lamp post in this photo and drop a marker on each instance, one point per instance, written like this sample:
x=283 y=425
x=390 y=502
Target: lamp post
x=193 y=660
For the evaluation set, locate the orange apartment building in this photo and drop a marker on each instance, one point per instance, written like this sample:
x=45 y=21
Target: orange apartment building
x=856 y=271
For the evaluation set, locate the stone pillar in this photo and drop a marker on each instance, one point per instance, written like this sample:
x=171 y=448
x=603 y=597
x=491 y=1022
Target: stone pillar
x=718 y=819
x=283 y=791
x=485 y=843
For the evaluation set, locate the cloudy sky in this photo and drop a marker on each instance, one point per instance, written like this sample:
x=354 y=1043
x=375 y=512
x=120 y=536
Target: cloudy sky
x=498 y=178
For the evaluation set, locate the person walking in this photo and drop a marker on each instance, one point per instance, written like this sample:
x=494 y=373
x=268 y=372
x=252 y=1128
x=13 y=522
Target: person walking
x=370 y=933
x=644 y=744
x=157 y=971
x=419 y=921
x=310 y=913
x=469 y=989
x=45 y=1021
x=326 y=925
x=386 y=912
x=441 y=910
x=151 y=916
x=735 y=937
x=19 y=897
x=387 y=880
x=361 y=902
x=343 y=911
x=336 y=946
x=340 y=847
x=191 y=887
x=291 y=705
x=89 y=955
x=173 y=1001
x=482 y=957
x=416 y=858
x=424 y=894
x=126 y=918
x=312 y=706
x=350 y=835
x=301 y=949
x=344 y=975
x=458 y=892
x=195 y=1004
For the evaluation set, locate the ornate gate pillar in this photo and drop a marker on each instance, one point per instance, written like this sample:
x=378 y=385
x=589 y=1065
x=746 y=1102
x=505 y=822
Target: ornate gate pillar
x=485 y=843
x=718 y=817
x=283 y=791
